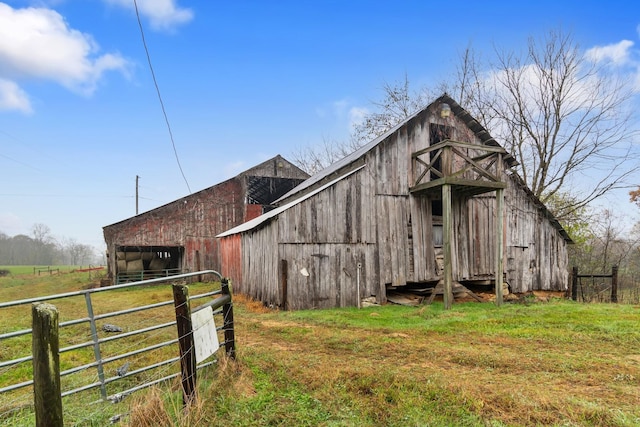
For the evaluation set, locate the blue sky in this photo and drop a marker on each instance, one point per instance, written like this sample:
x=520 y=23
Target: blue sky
x=241 y=82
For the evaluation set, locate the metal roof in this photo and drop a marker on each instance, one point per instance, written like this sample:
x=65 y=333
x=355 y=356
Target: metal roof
x=458 y=111
x=249 y=225
x=340 y=168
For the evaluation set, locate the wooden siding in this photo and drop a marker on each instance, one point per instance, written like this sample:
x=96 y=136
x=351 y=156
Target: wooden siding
x=370 y=217
x=422 y=256
x=340 y=214
x=393 y=240
x=191 y=222
x=331 y=274
x=231 y=259
x=259 y=278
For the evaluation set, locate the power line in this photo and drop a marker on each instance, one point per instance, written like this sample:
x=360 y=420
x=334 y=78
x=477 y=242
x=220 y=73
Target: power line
x=155 y=82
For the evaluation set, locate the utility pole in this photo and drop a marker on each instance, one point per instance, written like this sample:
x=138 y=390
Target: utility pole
x=137 y=179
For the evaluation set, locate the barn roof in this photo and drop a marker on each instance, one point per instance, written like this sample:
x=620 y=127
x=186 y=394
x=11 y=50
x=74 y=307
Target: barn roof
x=258 y=185
x=458 y=111
x=352 y=163
x=249 y=225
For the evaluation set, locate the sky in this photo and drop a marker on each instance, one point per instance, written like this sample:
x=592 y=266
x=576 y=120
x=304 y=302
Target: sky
x=240 y=82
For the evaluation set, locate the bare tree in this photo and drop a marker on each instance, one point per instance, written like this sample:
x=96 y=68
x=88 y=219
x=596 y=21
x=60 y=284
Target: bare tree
x=565 y=116
x=78 y=253
x=399 y=103
x=41 y=233
x=312 y=159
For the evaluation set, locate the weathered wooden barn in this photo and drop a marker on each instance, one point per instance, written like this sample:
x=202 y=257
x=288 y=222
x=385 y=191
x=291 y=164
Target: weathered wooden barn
x=180 y=236
x=431 y=204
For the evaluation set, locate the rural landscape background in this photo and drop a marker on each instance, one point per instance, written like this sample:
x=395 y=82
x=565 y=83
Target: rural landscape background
x=96 y=96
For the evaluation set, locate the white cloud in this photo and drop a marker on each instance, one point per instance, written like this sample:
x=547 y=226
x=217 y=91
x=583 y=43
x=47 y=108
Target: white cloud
x=162 y=14
x=357 y=115
x=618 y=53
x=36 y=43
x=12 y=98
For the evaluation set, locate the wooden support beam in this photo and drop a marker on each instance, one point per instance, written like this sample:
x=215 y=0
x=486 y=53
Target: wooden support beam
x=499 y=267
x=447 y=225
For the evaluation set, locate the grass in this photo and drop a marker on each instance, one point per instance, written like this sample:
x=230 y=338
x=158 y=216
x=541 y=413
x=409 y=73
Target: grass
x=541 y=364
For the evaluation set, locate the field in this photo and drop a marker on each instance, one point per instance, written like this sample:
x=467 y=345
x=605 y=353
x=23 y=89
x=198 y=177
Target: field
x=554 y=363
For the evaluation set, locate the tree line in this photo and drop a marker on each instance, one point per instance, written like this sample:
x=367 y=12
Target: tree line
x=41 y=248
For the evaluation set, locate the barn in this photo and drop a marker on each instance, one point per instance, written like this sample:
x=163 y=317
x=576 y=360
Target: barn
x=431 y=205
x=180 y=236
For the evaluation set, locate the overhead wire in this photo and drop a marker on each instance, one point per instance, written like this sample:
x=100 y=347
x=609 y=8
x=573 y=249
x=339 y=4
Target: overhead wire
x=155 y=82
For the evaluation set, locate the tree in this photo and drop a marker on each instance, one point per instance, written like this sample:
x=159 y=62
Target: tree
x=45 y=246
x=78 y=253
x=399 y=103
x=635 y=196
x=313 y=159
x=563 y=113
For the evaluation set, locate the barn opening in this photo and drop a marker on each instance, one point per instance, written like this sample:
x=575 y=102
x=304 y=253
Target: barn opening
x=147 y=262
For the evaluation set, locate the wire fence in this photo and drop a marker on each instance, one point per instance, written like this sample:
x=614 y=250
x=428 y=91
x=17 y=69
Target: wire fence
x=106 y=355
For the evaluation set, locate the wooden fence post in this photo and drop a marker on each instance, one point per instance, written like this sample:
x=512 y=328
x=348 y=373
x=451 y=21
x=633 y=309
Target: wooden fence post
x=227 y=313
x=185 y=342
x=574 y=284
x=614 y=284
x=46 y=365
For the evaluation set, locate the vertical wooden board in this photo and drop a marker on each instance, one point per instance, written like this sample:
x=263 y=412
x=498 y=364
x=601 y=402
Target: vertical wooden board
x=396 y=242
x=402 y=241
x=403 y=162
x=417 y=239
x=369 y=207
x=347 y=229
x=382 y=238
x=392 y=240
x=426 y=221
x=460 y=241
x=357 y=232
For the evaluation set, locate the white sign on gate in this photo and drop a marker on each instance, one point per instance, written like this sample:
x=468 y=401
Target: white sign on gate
x=205 y=336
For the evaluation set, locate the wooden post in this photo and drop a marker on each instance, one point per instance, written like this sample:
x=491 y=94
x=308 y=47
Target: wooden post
x=447 y=225
x=227 y=314
x=185 y=342
x=499 y=261
x=283 y=279
x=46 y=366
x=614 y=284
x=574 y=284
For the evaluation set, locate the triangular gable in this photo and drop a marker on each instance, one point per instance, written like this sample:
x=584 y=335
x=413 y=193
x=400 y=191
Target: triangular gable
x=339 y=165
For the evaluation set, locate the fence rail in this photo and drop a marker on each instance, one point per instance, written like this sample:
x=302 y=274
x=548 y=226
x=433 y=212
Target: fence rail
x=600 y=291
x=220 y=306
x=135 y=276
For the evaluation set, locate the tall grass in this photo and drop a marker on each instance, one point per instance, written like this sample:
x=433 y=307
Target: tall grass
x=557 y=363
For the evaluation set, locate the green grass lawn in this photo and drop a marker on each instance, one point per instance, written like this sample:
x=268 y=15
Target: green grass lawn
x=556 y=363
